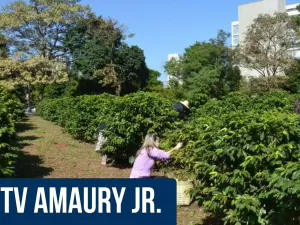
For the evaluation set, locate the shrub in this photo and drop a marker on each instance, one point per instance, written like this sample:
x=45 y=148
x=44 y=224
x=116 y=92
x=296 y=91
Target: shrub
x=12 y=104
x=11 y=111
x=130 y=118
x=56 y=110
x=76 y=115
x=241 y=151
x=81 y=120
x=279 y=100
x=7 y=138
x=244 y=158
x=196 y=100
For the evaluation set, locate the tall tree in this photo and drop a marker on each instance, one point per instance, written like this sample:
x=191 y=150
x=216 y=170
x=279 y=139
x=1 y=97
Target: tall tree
x=132 y=71
x=35 y=70
x=154 y=79
x=39 y=26
x=268 y=43
x=3 y=47
x=199 y=55
x=207 y=67
x=101 y=55
x=174 y=68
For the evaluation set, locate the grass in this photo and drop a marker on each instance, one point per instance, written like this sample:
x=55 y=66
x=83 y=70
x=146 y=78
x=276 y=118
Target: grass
x=47 y=152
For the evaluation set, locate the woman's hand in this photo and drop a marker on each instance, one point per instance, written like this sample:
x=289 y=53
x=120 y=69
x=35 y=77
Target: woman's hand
x=178 y=146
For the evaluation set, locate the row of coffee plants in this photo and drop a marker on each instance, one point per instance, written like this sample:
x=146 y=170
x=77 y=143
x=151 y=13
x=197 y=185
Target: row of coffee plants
x=76 y=115
x=11 y=111
x=242 y=152
x=127 y=119
x=282 y=101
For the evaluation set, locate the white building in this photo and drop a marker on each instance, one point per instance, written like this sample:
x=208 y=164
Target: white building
x=172 y=56
x=248 y=12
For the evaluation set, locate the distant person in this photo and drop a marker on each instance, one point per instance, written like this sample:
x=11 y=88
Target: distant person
x=147 y=155
x=297 y=107
x=183 y=109
x=100 y=141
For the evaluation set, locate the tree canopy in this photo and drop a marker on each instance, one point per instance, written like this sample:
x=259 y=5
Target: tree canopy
x=268 y=43
x=100 y=54
x=206 y=67
x=39 y=26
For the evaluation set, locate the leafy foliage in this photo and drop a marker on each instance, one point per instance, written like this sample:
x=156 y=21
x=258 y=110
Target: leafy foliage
x=243 y=153
x=56 y=110
x=11 y=111
x=12 y=104
x=8 y=153
x=131 y=117
x=206 y=67
x=279 y=100
x=36 y=70
x=268 y=43
x=38 y=27
x=128 y=119
x=81 y=122
x=100 y=55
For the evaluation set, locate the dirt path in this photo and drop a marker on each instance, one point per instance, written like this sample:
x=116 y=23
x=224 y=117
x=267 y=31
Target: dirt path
x=47 y=152
x=50 y=153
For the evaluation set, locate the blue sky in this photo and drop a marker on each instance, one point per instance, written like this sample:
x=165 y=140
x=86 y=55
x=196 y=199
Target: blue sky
x=162 y=27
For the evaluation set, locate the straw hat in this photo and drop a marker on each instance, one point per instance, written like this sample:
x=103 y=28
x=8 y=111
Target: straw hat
x=185 y=103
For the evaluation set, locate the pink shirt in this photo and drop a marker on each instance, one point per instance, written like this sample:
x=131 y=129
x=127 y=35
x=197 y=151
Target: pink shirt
x=143 y=164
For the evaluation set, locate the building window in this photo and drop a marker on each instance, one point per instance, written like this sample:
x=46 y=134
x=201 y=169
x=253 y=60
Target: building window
x=235 y=29
x=235 y=40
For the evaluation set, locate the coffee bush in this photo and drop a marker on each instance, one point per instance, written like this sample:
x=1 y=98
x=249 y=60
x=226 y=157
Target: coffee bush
x=75 y=115
x=11 y=104
x=243 y=154
x=80 y=122
x=8 y=153
x=130 y=118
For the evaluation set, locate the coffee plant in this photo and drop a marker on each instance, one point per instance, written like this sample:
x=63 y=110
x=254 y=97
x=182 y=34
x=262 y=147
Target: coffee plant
x=76 y=115
x=11 y=104
x=241 y=151
x=8 y=153
x=81 y=121
x=243 y=156
x=130 y=118
x=281 y=101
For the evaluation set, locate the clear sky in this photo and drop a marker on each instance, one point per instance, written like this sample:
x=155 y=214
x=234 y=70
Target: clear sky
x=162 y=27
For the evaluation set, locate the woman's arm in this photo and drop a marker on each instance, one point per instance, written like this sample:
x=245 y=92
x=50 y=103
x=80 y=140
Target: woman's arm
x=159 y=154
x=162 y=155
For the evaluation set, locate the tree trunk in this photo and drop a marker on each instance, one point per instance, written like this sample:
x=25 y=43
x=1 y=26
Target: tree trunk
x=118 y=90
x=41 y=92
x=28 y=98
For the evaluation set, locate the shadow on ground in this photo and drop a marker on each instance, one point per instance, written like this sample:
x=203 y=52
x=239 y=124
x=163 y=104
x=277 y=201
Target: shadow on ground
x=28 y=165
x=25 y=125
x=212 y=221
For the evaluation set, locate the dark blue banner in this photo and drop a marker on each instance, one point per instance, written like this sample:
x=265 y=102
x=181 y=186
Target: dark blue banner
x=87 y=201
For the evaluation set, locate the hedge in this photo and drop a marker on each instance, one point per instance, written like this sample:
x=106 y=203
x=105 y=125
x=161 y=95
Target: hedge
x=76 y=115
x=279 y=100
x=12 y=104
x=128 y=119
x=243 y=153
x=11 y=112
x=131 y=117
